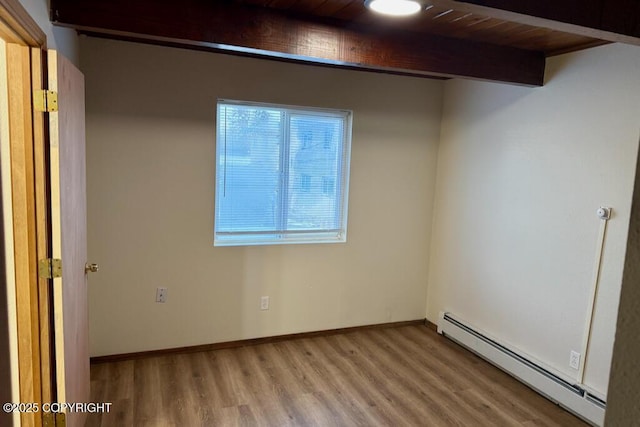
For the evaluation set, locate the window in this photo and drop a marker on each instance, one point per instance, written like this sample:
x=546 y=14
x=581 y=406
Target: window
x=281 y=174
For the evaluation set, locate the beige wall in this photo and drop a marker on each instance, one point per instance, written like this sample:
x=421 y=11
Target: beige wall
x=521 y=173
x=150 y=149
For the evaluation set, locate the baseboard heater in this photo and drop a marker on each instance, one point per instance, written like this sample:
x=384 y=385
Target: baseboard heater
x=570 y=396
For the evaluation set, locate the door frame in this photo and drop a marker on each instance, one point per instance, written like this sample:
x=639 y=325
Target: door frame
x=29 y=318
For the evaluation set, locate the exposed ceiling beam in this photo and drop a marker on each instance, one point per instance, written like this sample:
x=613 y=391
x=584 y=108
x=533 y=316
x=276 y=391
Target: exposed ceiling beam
x=222 y=25
x=610 y=20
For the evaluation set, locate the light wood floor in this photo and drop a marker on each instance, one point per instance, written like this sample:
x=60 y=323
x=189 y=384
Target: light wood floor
x=402 y=376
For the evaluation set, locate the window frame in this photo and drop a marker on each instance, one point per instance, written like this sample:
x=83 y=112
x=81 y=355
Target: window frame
x=253 y=238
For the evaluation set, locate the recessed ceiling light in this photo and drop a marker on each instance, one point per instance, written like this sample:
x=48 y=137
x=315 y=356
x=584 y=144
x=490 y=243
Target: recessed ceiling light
x=394 y=7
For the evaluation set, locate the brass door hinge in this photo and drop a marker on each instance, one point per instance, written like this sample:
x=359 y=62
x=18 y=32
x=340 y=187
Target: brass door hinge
x=54 y=419
x=45 y=101
x=50 y=268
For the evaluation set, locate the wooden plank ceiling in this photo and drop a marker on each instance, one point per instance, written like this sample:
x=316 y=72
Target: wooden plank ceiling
x=498 y=40
x=443 y=19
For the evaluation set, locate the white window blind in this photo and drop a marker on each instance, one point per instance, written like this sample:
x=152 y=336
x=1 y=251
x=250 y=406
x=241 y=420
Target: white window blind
x=281 y=174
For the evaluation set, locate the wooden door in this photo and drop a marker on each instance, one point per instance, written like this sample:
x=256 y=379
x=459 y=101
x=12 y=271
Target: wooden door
x=25 y=226
x=68 y=233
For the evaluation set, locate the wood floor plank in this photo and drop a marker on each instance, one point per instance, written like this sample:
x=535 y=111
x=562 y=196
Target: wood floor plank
x=402 y=376
x=326 y=387
x=231 y=375
x=336 y=383
x=401 y=370
x=361 y=390
x=478 y=374
x=462 y=378
x=415 y=404
x=147 y=402
x=203 y=388
x=271 y=402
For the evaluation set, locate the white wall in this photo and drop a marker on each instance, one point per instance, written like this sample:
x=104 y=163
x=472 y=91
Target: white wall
x=64 y=40
x=150 y=149
x=521 y=173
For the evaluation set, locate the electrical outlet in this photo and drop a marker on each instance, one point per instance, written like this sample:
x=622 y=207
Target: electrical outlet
x=161 y=295
x=264 y=303
x=574 y=360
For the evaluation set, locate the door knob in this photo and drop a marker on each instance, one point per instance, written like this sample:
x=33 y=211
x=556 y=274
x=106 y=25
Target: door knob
x=90 y=268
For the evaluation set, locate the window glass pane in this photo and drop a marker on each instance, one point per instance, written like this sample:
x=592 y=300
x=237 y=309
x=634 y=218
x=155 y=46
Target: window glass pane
x=248 y=172
x=314 y=160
